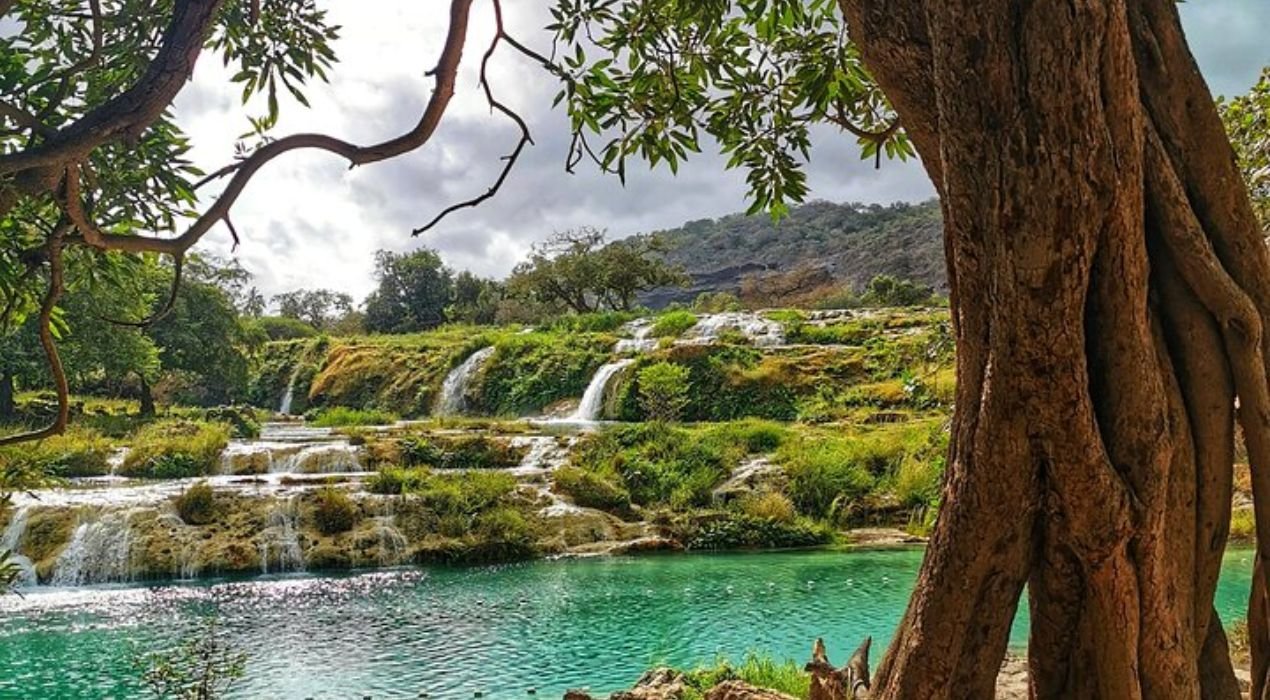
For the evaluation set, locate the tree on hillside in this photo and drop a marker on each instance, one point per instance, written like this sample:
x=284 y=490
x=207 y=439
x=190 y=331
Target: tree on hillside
x=581 y=271
x=320 y=308
x=476 y=299
x=1109 y=287
x=885 y=290
x=203 y=343
x=413 y=292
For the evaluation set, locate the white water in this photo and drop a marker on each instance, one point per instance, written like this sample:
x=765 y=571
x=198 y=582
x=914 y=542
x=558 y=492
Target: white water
x=592 y=404
x=453 y=401
x=99 y=552
x=762 y=332
x=639 y=342
x=279 y=543
x=284 y=406
x=9 y=542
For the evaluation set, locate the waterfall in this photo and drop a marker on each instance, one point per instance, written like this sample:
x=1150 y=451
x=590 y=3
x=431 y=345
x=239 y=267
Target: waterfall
x=284 y=407
x=99 y=552
x=9 y=542
x=391 y=545
x=279 y=543
x=762 y=332
x=453 y=389
x=639 y=341
x=592 y=404
x=320 y=458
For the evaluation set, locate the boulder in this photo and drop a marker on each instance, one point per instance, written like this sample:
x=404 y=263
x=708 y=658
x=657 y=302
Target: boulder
x=740 y=690
x=657 y=684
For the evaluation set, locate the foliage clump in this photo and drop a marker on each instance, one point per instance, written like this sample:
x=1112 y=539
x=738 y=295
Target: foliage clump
x=664 y=391
x=334 y=511
x=341 y=417
x=197 y=504
x=673 y=324
x=592 y=490
x=175 y=449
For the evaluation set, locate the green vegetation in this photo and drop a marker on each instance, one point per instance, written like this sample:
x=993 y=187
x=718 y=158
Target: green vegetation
x=203 y=667
x=173 y=449
x=672 y=324
x=340 y=416
x=591 y=489
x=759 y=671
x=333 y=511
x=80 y=452
x=197 y=504
x=664 y=391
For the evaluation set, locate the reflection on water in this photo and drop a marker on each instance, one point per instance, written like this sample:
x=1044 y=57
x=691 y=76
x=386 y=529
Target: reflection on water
x=500 y=630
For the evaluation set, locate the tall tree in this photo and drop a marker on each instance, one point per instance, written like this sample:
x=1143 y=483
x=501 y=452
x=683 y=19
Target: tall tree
x=320 y=308
x=1109 y=287
x=413 y=292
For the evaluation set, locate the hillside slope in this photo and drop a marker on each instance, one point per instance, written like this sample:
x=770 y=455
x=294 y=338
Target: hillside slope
x=851 y=243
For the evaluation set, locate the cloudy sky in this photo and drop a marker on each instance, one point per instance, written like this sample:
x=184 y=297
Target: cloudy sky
x=307 y=221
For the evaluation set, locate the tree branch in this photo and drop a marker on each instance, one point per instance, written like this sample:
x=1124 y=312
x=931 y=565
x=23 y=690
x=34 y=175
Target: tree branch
x=500 y=35
x=50 y=346
x=445 y=72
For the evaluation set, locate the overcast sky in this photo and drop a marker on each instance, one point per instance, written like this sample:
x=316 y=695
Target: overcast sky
x=307 y=221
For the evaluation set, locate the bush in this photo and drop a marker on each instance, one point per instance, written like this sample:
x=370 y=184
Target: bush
x=657 y=464
x=771 y=506
x=594 y=322
x=333 y=511
x=672 y=324
x=918 y=479
x=281 y=328
x=591 y=490
x=241 y=419
x=759 y=671
x=663 y=391
x=730 y=530
x=716 y=302
x=79 y=452
x=823 y=472
x=340 y=416
x=197 y=504
x=174 y=449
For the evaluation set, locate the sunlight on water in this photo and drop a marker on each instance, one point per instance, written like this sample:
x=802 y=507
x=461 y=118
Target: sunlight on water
x=500 y=630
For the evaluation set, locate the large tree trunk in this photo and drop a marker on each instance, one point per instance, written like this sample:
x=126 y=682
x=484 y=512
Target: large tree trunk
x=7 y=407
x=1109 y=291
x=147 y=398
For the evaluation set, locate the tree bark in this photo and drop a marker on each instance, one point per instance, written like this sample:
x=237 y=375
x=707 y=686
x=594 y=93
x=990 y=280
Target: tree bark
x=147 y=398
x=8 y=409
x=1109 y=292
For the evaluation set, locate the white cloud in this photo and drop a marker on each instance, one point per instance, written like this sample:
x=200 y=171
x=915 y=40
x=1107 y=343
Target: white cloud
x=307 y=221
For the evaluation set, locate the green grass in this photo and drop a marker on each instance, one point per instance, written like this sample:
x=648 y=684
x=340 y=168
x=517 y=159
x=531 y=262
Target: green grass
x=176 y=448
x=342 y=417
x=758 y=670
x=79 y=452
x=673 y=324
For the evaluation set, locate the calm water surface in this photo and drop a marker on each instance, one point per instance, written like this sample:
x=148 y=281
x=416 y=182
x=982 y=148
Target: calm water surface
x=501 y=630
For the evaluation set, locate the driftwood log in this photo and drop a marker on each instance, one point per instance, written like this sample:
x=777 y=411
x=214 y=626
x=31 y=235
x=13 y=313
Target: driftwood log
x=851 y=682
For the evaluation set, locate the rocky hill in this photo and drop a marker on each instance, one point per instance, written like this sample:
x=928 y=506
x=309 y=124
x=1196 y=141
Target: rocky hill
x=843 y=243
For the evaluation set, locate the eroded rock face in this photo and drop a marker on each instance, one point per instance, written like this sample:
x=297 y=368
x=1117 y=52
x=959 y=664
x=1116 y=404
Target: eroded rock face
x=739 y=690
x=657 y=684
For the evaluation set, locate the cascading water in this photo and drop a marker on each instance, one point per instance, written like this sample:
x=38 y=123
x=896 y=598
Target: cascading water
x=640 y=330
x=391 y=544
x=279 y=542
x=99 y=552
x=284 y=406
x=11 y=540
x=762 y=332
x=592 y=404
x=453 y=398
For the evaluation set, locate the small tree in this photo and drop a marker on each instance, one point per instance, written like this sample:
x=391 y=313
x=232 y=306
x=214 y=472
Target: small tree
x=201 y=668
x=320 y=308
x=663 y=391
x=580 y=271
x=413 y=293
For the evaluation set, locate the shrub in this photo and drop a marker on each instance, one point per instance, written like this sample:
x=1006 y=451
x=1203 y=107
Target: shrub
x=79 y=452
x=172 y=449
x=918 y=479
x=394 y=481
x=663 y=391
x=657 y=464
x=333 y=511
x=591 y=490
x=730 y=530
x=340 y=416
x=771 y=506
x=197 y=504
x=759 y=671
x=242 y=420
x=716 y=302
x=532 y=370
x=1243 y=526
x=672 y=324
x=594 y=322
x=281 y=328
x=824 y=471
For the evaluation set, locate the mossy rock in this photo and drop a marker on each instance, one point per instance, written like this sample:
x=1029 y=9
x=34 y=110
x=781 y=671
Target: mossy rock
x=48 y=530
x=327 y=555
